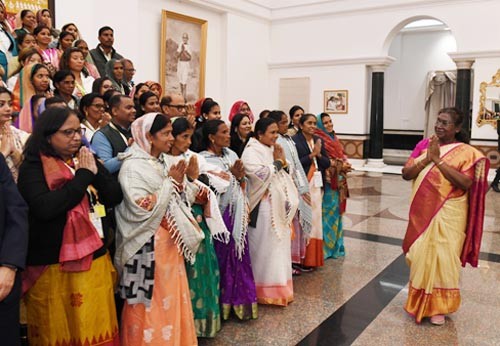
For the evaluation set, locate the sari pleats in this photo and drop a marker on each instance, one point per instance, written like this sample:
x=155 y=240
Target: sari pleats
x=434 y=261
x=333 y=233
x=203 y=277
x=314 y=250
x=271 y=263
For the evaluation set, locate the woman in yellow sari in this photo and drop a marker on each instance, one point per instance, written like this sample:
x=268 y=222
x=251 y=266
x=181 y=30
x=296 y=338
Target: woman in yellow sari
x=446 y=217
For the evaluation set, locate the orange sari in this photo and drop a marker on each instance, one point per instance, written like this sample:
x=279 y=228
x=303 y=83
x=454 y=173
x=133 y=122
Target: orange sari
x=444 y=230
x=169 y=320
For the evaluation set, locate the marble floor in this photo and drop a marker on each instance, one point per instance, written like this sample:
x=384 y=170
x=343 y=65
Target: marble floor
x=358 y=299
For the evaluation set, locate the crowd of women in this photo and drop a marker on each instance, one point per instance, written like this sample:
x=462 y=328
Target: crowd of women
x=151 y=221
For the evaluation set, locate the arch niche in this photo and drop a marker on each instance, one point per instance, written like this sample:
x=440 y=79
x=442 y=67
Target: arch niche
x=412 y=90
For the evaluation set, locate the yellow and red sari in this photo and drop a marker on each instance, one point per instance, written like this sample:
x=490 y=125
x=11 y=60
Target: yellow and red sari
x=444 y=230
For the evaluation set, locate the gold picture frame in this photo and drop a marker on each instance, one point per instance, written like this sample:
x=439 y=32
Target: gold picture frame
x=183 y=55
x=336 y=101
x=489 y=102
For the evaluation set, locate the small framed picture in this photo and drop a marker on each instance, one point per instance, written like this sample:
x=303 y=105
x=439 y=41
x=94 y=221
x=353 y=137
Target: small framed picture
x=336 y=101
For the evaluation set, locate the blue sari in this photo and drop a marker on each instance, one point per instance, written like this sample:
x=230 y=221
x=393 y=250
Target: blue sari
x=335 y=193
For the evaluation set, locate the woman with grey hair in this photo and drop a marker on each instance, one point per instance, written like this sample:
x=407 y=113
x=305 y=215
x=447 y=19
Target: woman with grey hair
x=114 y=71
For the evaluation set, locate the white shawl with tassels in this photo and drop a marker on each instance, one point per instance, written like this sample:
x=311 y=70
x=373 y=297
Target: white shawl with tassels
x=264 y=177
x=213 y=218
x=142 y=175
x=230 y=193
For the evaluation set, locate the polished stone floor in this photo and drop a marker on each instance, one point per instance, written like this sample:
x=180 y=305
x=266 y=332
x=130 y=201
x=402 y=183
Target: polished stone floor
x=358 y=299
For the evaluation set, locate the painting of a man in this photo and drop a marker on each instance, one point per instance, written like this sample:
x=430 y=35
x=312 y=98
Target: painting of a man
x=184 y=59
x=183 y=56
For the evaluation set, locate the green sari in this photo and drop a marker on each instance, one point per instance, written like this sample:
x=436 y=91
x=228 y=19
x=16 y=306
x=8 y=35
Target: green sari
x=203 y=277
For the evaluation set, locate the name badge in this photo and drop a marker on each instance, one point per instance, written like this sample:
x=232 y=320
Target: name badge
x=96 y=221
x=317 y=179
x=100 y=210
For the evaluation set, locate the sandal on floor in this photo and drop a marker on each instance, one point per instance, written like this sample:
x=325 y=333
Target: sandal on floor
x=296 y=272
x=438 y=320
x=305 y=269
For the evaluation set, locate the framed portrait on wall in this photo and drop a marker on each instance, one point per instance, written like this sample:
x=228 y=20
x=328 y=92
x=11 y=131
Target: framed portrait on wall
x=336 y=101
x=183 y=54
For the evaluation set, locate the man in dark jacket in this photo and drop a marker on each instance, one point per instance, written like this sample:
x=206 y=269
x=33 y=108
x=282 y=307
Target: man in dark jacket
x=13 y=250
x=115 y=137
x=104 y=51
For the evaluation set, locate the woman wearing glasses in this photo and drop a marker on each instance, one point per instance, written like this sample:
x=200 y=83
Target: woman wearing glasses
x=446 y=217
x=69 y=275
x=93 y=109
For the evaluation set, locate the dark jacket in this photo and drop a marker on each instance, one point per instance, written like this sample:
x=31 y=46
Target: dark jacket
x=48 y=209
x=13 y=220
x=100 y=60
x=304 y=151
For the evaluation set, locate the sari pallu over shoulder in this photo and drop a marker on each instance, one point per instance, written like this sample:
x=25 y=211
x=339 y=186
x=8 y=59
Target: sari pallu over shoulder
x=141 y=176
x=265 y=178
x=433 y=190
x=231 y=194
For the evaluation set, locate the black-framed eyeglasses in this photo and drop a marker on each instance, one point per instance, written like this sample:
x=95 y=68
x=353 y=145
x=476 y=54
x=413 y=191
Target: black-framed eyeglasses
x=70 y=133
x=178 y=106
x=98 y=106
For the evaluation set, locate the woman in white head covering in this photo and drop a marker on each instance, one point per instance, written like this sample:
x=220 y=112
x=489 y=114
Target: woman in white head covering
x=156 y=232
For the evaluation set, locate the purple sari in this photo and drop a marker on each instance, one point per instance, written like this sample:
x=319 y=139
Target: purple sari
x=237 y=285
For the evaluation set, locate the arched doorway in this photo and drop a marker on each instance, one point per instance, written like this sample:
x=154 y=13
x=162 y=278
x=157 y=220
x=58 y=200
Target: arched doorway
x=420 y=81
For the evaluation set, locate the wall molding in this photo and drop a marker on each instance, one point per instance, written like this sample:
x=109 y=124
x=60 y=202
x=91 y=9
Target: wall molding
x=464 y=56
x=368 y=61
x=353 y=136
x=240 y=7
x=307 y=9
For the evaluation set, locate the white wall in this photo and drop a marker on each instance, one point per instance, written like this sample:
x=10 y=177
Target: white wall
x=233 y=67
x=351 y=77
x=246 y=71
x=369 y=33
x=416 y=53
x=243 y=45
